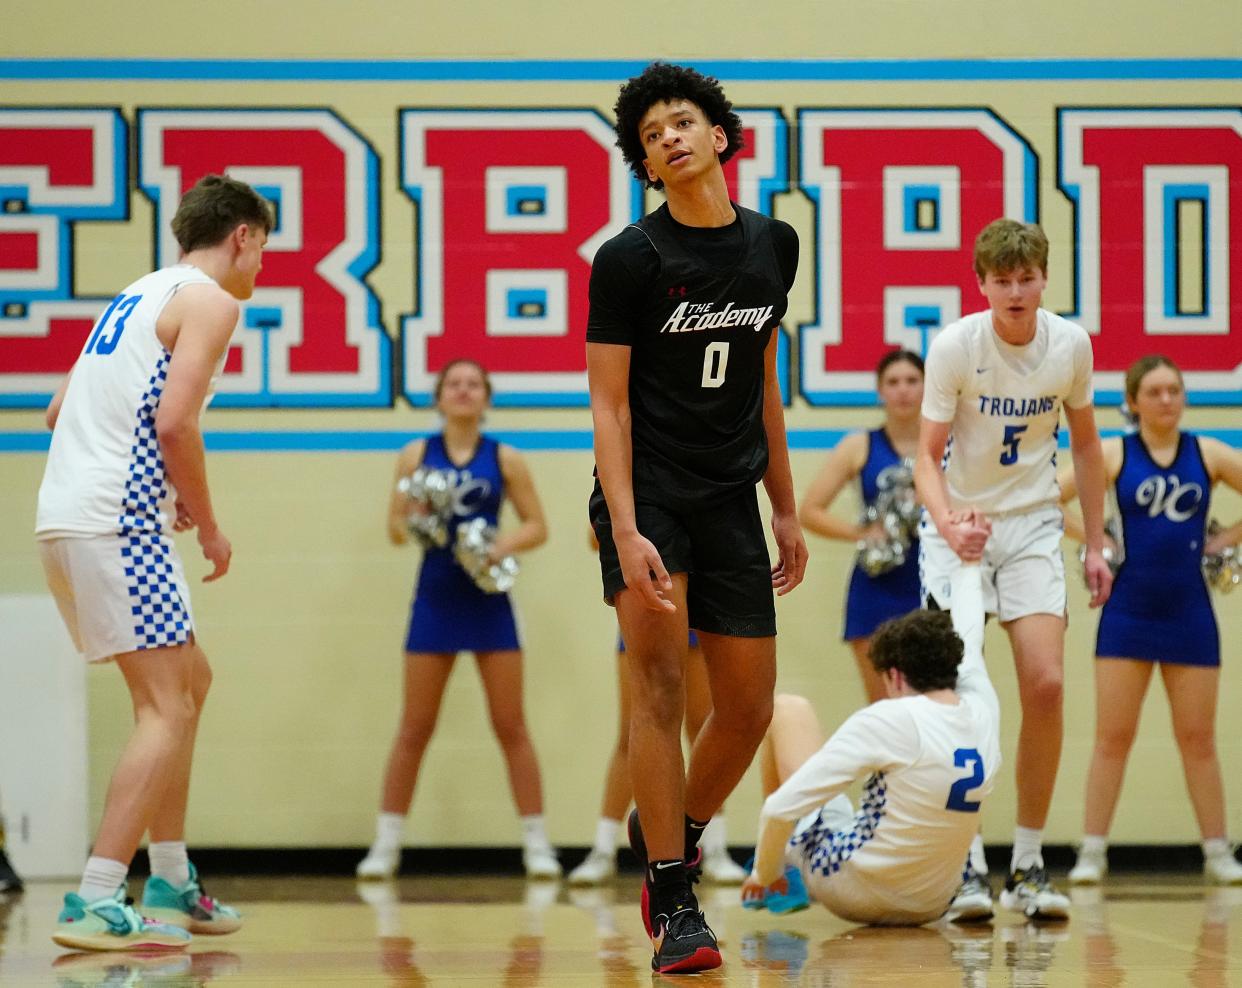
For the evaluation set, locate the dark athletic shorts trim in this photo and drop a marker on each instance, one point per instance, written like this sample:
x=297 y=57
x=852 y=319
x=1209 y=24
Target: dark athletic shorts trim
x=719 y=545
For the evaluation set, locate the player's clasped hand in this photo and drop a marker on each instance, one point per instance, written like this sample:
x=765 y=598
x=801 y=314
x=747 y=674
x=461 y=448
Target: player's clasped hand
x=644 y=571
x=967 y=533
x=792 y=554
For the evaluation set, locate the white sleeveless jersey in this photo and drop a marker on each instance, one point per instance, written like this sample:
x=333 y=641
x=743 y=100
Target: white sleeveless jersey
x=928 y=766
x=105 y=468
x=1004 y=403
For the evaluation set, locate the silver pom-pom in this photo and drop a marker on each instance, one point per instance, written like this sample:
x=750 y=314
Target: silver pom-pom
x=1222 y=570
x=472 y=550
x=430 y=493
x=897 y=512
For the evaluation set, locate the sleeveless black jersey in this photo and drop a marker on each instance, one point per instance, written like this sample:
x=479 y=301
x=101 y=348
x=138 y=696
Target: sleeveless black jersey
x=697 y=329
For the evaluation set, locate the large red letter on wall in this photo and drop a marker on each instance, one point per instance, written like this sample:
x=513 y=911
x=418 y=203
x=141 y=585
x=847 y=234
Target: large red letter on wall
x=900 y=196
x=512 y=205
x=56 y=167
x=311 y=335
x=1158 y=197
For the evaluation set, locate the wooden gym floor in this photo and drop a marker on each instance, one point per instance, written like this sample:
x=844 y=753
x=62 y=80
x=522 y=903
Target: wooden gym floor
x=1157 y=930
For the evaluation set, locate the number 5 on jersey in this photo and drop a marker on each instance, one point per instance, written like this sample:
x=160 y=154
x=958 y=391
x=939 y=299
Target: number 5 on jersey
x=1013 y=435
x=966 y=758
x=715 y=360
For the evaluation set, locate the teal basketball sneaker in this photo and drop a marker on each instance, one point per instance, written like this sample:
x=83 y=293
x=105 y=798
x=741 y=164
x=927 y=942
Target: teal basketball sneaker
x=112 y=924
x=188 y=907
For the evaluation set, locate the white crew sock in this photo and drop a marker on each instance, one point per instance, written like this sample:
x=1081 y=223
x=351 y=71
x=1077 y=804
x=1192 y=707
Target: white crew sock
x=1215 y=847
x=1028 y=848
x=389 y=831
x=534 y=836
x=101 y=878
x=714 y=836
x=978 y=860
x=170 y=862
x=606 y=831
x=1093 y=844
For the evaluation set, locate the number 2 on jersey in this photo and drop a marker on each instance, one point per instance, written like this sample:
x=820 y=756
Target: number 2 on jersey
x=715 y=360
x=122 y=308
x=1013 y=435
x=966 y=758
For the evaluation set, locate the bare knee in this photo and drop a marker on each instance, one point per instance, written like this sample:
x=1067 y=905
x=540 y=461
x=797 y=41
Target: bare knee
x=510 y=732
x=200 y=684
x=174 y=711
x=1115 y=743
x=1043 y=694
x=750 y=721
x=659 y=694
x=414 y=732
x=1197 y=744
x=786 y=705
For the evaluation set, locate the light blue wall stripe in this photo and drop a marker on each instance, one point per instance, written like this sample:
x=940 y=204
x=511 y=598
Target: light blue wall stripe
x=576 y=70
x=532 y=440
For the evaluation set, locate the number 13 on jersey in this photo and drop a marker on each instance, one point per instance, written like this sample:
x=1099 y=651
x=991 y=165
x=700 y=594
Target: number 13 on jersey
x=122 y=308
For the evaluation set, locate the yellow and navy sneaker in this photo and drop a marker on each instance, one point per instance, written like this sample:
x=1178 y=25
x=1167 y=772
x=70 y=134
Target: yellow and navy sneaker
x=112 y=924
x=188 y=907
x=1028 y=891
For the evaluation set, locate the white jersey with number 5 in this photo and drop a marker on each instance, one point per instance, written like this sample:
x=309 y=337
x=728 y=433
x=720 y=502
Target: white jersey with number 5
x=105 y=468
x=1004 y=403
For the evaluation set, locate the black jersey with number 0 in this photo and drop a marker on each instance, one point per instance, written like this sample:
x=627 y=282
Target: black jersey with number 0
x=697 y=308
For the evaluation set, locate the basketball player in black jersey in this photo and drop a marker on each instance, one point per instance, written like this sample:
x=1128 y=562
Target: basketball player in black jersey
x=681 y=357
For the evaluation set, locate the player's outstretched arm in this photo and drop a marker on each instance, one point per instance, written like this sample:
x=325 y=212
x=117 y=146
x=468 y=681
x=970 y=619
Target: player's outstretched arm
x=520 y=490
x=791 y=548
x=964 y=538
x=968 y=621
x=202 y=318
x=608 y=375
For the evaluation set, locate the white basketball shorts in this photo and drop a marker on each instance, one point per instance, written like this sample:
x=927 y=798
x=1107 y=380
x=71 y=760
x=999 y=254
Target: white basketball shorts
x=1023 y=572
x=119 y=593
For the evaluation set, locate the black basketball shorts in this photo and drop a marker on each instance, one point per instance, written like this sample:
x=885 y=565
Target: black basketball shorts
x=719 y=545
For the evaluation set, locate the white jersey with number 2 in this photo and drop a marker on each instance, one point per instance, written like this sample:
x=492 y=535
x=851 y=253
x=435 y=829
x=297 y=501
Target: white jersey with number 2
x=1004 y=403
x=928 y=766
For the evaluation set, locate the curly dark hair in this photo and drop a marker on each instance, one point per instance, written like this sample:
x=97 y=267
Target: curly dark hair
x=661 y=82
x=922 y=646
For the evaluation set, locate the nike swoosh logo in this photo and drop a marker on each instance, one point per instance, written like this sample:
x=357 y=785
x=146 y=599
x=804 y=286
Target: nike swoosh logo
x=981 y=370
x=671 y=864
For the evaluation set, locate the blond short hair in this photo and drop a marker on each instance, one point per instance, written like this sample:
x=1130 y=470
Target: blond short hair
x=1007 y=245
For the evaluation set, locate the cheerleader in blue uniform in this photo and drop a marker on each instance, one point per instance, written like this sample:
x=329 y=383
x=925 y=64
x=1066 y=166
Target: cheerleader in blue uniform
x=451 y=614
x=1159 y=611
x=872 y=600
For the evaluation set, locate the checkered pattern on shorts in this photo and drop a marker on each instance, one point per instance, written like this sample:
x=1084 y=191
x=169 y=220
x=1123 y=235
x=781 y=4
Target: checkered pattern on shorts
x=160 y=616
x=146 y=487
x=825 y=849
